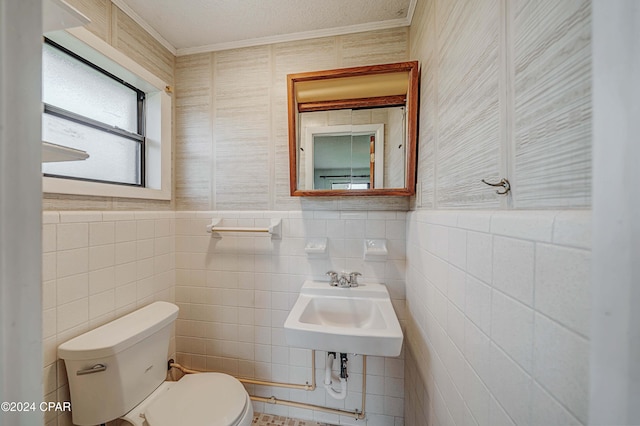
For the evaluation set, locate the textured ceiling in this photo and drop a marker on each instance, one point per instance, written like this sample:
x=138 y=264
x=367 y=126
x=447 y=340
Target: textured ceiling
x=189 y=26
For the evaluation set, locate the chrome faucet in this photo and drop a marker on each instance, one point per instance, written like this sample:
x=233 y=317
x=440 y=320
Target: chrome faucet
x=344 y=280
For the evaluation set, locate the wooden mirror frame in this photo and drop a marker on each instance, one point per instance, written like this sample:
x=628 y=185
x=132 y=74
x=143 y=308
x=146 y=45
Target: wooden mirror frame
x=410 y=100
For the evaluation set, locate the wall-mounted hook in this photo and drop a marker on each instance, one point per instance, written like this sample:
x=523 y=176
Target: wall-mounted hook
x=503 y=183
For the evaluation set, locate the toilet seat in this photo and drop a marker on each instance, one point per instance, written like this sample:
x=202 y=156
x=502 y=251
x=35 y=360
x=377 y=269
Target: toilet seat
x=211 y=399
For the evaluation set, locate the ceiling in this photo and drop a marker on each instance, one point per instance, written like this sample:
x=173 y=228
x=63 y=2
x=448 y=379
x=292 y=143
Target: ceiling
x=193 y=26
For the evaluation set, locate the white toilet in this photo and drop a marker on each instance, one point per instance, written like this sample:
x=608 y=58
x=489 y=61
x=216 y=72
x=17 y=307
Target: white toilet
x=119 y=370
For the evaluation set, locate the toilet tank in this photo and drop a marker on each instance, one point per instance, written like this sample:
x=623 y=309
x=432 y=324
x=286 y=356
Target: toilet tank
x=113 y=368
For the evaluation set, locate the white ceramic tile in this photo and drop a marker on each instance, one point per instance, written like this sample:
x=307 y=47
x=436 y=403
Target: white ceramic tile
x=457 y=247
x=144 y=249
x=101 y=304
x=479 y=255
x=125 y=295
x=125 y=231
x=72 y=236
x=49 y=323
x=395 y=230
x=511 y=386
x=513 y=265
x=49 y=238
x=125 y=273
x=108 y=216
x=72 y=314
x=476 y=396
x=72 y=262
x=573 y=228
x=49 y=291
x=101 y=233
x=72 y=288
x=101 y=280
x=498 y=416
x=80 y=216
x=530 y=225
x=478 y=303
x=475 y=221
x=561 y=365
x=512 y=328
x=456 y=287
x=49 y=265
x=125 y=252
x=545 y=410
x=562 y=285
x=477 y=350
x=375 y=228
x=455 y=325
x=145 y=229
x=101 y=257
x=50 y=217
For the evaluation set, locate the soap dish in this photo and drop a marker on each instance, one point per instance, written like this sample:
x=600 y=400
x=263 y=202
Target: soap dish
x=375 y=250
x=316 y=247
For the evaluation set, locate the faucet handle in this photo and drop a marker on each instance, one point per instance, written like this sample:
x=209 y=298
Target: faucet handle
x=353 y=278
x=333 y=278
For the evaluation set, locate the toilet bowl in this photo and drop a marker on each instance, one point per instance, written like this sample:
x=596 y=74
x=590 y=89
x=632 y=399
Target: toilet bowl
x=212 y=399
x=118 y=371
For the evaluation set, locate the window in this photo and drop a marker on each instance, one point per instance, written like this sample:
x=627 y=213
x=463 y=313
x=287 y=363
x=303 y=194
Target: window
x=88 y=108
x=98 y=100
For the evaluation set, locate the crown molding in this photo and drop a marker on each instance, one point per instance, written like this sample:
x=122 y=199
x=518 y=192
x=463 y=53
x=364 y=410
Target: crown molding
x=305 y=35
x=261 y=41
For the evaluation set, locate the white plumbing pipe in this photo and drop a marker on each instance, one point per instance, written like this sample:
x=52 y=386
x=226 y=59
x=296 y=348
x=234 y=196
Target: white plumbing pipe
x=328 y=367
x=343 y=390
x=329 y=378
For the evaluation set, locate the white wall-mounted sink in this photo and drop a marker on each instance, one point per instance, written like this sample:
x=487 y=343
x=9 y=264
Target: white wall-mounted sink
x=358 y=320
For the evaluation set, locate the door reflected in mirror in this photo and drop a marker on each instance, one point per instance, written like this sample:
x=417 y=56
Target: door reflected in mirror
x=352 y=156
x=353 y=131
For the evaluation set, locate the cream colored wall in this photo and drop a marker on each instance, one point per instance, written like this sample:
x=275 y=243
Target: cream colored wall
x=505 y=92
x=231 y=121
x=115 y=27
x=498 y=298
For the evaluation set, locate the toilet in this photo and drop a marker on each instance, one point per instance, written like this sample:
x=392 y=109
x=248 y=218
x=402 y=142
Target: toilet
x=118 y=371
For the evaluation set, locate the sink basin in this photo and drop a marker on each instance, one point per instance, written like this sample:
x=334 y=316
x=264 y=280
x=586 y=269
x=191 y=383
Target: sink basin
x=358 y=320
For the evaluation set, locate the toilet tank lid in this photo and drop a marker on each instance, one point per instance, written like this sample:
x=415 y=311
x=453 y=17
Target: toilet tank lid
x=119 y=334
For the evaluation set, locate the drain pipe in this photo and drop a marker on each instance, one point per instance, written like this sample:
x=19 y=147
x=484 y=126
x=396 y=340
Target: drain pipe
x=356 y=414
x=330 y=378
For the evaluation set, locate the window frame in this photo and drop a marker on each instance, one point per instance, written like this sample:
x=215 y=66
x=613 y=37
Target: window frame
x=157 y=113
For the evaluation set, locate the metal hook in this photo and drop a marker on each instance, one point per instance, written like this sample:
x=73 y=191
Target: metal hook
x=503 y=183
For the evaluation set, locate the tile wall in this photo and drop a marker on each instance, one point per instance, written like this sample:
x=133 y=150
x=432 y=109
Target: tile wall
x=497 y=318
x=235 y=293
x=98 y=266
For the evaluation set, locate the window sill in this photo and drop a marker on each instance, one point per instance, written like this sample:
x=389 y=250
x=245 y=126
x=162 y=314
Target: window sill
x=78 y=187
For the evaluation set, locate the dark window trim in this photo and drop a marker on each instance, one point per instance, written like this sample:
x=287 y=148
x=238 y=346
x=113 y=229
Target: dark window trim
x=80 y=119
x=89 y=122
x=110 y=182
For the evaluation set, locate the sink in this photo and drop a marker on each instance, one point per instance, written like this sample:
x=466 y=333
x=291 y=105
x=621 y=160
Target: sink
x=358 y=320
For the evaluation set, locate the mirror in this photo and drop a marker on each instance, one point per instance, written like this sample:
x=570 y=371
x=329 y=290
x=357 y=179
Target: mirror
x=352 y=131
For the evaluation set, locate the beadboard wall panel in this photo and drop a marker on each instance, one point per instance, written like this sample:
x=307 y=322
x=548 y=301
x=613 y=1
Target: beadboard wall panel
x=194 y=149
x=242 y=128
x=422 y=47
x=135 y=42
x=552 y=103
x=374 y=47
x=99 y=12
x=294 y=57
x=249 y=131
x=468 y=43
x=86 y=202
